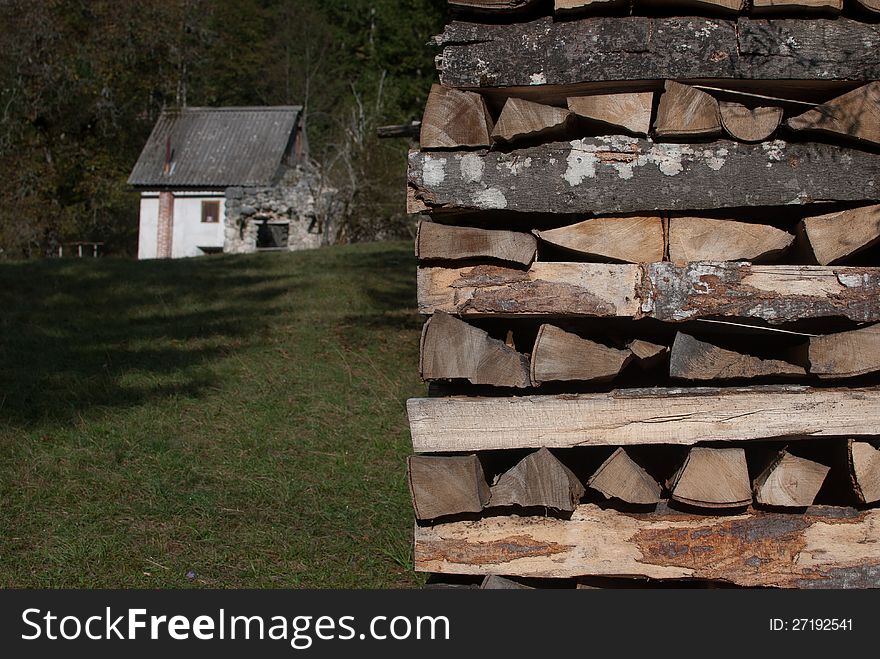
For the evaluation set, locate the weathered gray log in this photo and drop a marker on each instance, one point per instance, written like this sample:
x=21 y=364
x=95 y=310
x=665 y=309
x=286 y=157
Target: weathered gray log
x=641 y=416
x=823 y=548
x=618 y=174
x=665 y=291
x=640 y=48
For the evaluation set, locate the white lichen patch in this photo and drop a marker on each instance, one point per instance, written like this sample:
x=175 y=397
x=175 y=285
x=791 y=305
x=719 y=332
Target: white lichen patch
x=538 y=79
x=715 y=159
x=433 y=171
x=581 y=162
x=854 y=280
x=490 y=198
x=775 y=150
x=516 y=165
x=471 y=167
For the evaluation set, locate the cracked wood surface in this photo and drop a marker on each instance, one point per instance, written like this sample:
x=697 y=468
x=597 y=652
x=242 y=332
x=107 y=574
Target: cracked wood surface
x=665 y=291
x=641 y=416
x=619 y=174
x=823 y=548
x=544 y=52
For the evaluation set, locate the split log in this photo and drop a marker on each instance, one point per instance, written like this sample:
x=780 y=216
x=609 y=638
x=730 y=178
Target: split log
x=630 y=111
x=698 y=6
x=538 y=480
x=451 y=349
x=641 y=416
x=833 y=237
x=790 y=481
x=647 y=354
x=562 y=356
x=563 y=7
x=495 y=582
x=492 y=5
x=440 y=242
x=864 y=461
x=442 y=486
x=521 y=119
x=797 y=6
x=855 y=115
x=713 y=478
x=619 y=174
x=708 y=239
x=749 y=124
x=845 y=354
x=664 y=291
x=619 y=477
x=872 y=6
x=823 y=548
x=633 y=239
x=693 y=359
x=686 y=112
x=454 y=119
x=611 y=49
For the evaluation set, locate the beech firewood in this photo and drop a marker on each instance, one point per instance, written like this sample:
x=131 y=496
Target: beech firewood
x=797 y=6
x=455 y=119
x=629 y=111
x=693 y=359
x=833 y=237
x=539 y=479
x=452 y=349
x=647 y=354
x=790 y=481
x=708 y=239
x=446 y=485
x=521 y=119
x=872 y=6
x=634 y=239
x=441 y=242
x=495 y=582
x=713 y=478
x=749 y=124
x=709 y=6
x=855 y=115
x=492 y=5
x=686 y=112
x=560 y=355
x=845 y=354
x=619 y=477
x=864 y=462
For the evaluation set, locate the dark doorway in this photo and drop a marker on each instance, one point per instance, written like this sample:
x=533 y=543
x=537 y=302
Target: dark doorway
x=272 y=235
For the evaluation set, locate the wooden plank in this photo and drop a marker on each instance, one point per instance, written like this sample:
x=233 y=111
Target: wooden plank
x=693 y=6
x=710 y=239
x=615 y=48
x=749 y=124
x=619 y=174
x=823 y=548
x=797 y=6
x=500 y=6
x=665 y=291
x=452 y=349
x=619 y=477
x=629 y=111
x=564 y=7
x=790 y=481
x=845 y=354
x=538 y=480
x=632 y=239
x=712 y=478
x=693 y=359
x=864 y=462
x=855 y=115
x=521 y=119
x=686 y=112
x=441 y=242
x=562 y=356
x=832 y=237
x=641 y=416
x=454 y=119
x=446 y=485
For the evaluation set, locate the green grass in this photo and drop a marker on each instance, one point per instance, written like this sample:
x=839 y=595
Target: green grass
x=240 y=417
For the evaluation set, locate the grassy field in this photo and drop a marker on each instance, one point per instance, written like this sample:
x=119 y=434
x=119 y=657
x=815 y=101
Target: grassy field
x=217 y=422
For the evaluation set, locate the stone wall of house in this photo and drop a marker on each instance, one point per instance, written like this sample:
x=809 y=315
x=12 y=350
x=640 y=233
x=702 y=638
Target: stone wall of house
x=297 y=199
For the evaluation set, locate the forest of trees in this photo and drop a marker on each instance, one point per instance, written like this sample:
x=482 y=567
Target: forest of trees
x=82 y=82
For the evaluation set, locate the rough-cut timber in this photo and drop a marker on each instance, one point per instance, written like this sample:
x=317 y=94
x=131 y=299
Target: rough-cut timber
x=693 y=359
x=790 y=481
x=835 y=236
x=749 y=124
x=864 y=462
x=641 y=416
x=441 y=242
x=562 y=356
x=632 y=239
x=665 y=291
x=452 y=349
x=538 y=480
x=709 y=239
x=619 y=174
x=846 y=354
x=647 y=354
x=492 y=5
x=629 y=111
x=563 y=7
x=495 y=582
x=697 y=6
x=521 y=119
x=686 y=112
x=797 y=6
x=823 y=548
x=617 y=48
x=619 y=477
x=856 y=115
x=446 y=485
x=455 y=119
x=713 y=478
x=872 y=6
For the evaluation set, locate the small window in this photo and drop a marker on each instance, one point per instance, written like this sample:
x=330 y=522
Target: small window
x=210 y=211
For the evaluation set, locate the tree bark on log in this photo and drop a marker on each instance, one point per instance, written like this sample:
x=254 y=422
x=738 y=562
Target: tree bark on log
x=642 y=48
x=641 y=416
x=823 y=548
x=618 y=174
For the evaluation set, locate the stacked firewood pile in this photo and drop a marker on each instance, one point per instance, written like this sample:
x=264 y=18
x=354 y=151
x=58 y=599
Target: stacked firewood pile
x=648 y=259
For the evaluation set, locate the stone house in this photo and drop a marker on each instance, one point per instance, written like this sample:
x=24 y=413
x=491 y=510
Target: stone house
x=232 y=179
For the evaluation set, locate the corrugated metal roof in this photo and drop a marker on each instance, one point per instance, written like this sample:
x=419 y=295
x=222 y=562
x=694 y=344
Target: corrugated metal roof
x=216 y=147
